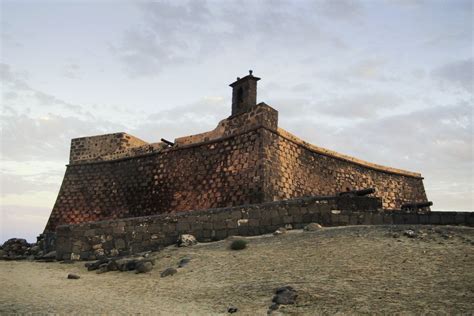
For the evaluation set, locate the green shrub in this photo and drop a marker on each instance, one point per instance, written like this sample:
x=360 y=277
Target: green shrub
x=238 y=244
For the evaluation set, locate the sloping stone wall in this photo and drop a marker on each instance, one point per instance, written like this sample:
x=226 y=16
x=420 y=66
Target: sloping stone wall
x=201 y=176
x=294 y=168
x=127 y=236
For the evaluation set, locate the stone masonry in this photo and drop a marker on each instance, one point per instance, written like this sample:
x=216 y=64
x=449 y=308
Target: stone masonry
x=246 y=159
x=88 y=241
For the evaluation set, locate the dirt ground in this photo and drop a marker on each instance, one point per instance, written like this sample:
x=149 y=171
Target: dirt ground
x=342 y=270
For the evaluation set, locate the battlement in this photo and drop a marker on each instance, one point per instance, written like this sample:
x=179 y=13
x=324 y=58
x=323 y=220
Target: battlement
x=102 y=147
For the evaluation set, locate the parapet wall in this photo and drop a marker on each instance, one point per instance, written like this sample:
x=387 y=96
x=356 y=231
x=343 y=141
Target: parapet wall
x=294 y=168
x=87 y=241
x=102 y=147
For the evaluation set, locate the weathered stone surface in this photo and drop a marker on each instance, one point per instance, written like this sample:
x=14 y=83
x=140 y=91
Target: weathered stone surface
x=312 y=227
x=168 y=272
x=232 y=309
x=183 y=262
x=285 y=295
x=73 y=276
x=280 y=231
x=144 y=266
x=186 y=240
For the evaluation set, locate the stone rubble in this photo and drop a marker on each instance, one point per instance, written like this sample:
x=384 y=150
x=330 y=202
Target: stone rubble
x=186 y=240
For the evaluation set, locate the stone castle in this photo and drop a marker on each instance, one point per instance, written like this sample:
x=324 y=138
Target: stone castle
x=246 y=159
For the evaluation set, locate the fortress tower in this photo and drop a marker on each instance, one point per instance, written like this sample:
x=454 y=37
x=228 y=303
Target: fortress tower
x=246 y=159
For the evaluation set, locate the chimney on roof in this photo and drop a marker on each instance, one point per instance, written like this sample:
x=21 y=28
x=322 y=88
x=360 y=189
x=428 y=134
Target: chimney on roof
x=244 y=93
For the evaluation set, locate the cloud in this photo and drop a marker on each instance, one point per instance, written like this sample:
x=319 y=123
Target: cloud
x=340 y=9
x=458 y=73
x=25 y=137
x=71 y=71
x=15 y=84
x=366 y=105
x=198 y=117
x=190 y=32
x=435 y=141
x=20 y=184
x=22 y=221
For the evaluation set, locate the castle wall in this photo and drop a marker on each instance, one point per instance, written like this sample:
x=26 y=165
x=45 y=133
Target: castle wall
x=294 y=168
x=102 y=146
x=87 y=241
x=222 y=173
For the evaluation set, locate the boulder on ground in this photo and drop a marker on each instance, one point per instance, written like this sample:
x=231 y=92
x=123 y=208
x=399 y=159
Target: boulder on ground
x=168 y=272
x=15 y=248
x=232 y=309
x=280 y=231
x=95 y=265
x=144 y=266
x=285 y=295
x=186 y=240
x=183 y=262
x=73 y=276
x=409 y=233
x=312 y=227
x=50 y=256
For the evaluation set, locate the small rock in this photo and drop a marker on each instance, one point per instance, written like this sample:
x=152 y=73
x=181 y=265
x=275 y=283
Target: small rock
x=99 y=252
x=279 y=231
x=312 y=227
x=34 y=250
x=273 y=307
x=285 y=295
x=73 y=276
x=144 y=266
x=128 y=264
x=183 y=262
x=288 y=227
x=50 y=255
x=446 y=236
x=409 y=233
x=186 y=240
x=102 y=268
x=112 y=265
x=232 y=309
x=168 y=271
x=95 y=265
x=396 y=235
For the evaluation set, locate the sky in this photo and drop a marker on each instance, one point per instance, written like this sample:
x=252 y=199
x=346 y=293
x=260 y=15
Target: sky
x=387 y=81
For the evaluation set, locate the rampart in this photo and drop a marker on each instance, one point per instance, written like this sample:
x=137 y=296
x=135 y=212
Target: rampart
x=127 y=236
x=247 y=159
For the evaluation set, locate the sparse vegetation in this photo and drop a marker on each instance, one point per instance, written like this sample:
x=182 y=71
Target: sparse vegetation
x=238 y=244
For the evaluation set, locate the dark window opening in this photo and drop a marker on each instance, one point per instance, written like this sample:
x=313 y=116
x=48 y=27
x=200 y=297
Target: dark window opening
x=240 y=95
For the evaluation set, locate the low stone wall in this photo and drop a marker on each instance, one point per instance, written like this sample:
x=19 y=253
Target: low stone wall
x=125 y=236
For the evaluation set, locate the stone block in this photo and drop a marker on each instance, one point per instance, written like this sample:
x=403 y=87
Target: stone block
x=287 y=219
x=367 y=218
x=460 y=218
x=398 y=218
x=183 y=227
x=120 y=244
x=221 y=234
x=387 y=218
x=434 y=218
x=424 y=219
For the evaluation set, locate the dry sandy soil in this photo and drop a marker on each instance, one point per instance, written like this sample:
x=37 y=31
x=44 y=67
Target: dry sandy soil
x=335 y=271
